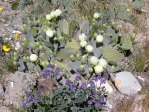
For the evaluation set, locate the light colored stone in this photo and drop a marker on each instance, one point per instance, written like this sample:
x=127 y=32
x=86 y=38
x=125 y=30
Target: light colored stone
x=126 y=83
x=18 y=84
x=1 y=90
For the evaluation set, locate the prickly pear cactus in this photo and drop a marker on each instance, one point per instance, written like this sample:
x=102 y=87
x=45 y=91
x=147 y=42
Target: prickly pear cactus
x=112 y=55
x=44 y=39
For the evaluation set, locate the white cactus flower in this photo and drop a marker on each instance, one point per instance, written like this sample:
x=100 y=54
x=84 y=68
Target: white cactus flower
x=58 y=12
x=33 y=57
x=99 y=38
x=98 y=69
x=96 y=15
x=103 y=63
x=52 y=14
x=83 y=43
x=49 y=33
x=18 y=46
x=89 y=48
x=94 y=60
x=82 y=37
x=48 y=17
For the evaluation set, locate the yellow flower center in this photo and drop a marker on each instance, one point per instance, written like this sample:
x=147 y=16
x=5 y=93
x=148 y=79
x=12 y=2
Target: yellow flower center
x=1 y=8
x=128 y=10
x=6 y=47
x=17 y=35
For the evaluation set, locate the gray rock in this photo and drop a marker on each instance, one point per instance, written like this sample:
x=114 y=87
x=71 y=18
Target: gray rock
x=1 y=90
x=126 y=83
x=18 y=84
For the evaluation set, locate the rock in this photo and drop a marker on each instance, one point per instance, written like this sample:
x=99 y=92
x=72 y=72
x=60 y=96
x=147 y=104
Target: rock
x=1 y=93
x=126 y=83
x=1 y=90
x=18 y=84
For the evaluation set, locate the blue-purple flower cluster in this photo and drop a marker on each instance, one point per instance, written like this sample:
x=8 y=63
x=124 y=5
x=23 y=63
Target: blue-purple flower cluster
x=30 y=99
x=51 y=71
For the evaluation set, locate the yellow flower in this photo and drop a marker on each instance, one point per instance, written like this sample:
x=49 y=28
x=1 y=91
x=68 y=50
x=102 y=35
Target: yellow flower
x=17 y=35
x=1 y=8
x=6 y=47
x=128 y=9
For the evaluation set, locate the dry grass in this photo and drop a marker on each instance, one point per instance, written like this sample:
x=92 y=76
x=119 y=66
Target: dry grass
x=124 y=105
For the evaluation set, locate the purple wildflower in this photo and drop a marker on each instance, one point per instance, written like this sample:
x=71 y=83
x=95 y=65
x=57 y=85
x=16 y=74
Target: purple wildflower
x=92 y=83
x=77 y=78
x=29 y=96
x=67 y=82
x=29 y=104
x=35 y=100
x=102 y=100
x=99 y=77
x=89 y=102
x=93 y=91
x=49 y=73
x=95 y=79
x=23 y=104
x=102 y=81
x=79 y=71
x=44 y=76
x=97 y=104
x=51 y=65
x=57 y=71
x=73 y=88
x=106 y=75
x=84 y=85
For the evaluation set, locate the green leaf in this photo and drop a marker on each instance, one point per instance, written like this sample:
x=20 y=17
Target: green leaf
x=15 y=5
x=65 y=53
x=74 y=65
x=30 y=66
x=138 y=4
x=74 y=109
x=73 y=44
x=29 y=36
x=65 y=27
x=85 y=27
x=34 y=32
x=22 y=66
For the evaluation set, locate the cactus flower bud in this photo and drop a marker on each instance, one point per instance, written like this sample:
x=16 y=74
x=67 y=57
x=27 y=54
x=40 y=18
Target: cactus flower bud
x=82 y=37
x=99 y=38
x=58 y=12
x=133 y=36
x=72 y=57
x=83 y=43
x=95 y=34
x=93 y=60
x=90 y=69
x=43 y=63
x=82 y=67
x=103 y=63
x=49 y=33
x=89 y=48
x=14 y=63
x=15 y=53
x=18 y=46
x=40 y=47
x=135 y=41
x=52 y=14
x=60 y=38
x=33 y=57
x=96 y=15
x=48 y=17
x=78 y=56
x=98 y=69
